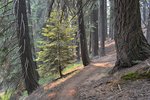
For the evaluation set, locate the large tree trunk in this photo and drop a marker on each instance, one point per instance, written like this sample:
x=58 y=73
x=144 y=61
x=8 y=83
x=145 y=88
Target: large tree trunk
x=131 y=45
x=101 y=26
x=28 y=66
x=83 y=41
x=94 y=33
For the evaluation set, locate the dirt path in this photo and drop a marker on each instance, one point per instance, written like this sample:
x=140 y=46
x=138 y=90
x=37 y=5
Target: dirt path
x=67 y=88
x=91 y=73
x=90 y=83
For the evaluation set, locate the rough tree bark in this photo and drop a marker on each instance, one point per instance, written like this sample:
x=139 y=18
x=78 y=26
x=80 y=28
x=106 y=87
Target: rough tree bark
x=111 y=20
x=77 y=47
x=28 y=66
x=148 y=26
x=101 y=26
x=32 y=33
x=144 y=10
x=94 y=33
x=105 y=18
x=83 y=41
x=131 y=45
x=148 y=29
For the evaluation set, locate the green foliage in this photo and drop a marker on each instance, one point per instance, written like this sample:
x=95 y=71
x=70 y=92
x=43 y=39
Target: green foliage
x=136 y=75
x=10 y=73
x=71 y=67
x=68 y=69
x=131 y=76
x=25 y=93
x=57 y=47
x=47 y=79
x=6 y=95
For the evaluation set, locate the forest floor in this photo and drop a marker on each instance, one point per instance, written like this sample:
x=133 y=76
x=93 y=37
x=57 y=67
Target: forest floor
x=94 y=83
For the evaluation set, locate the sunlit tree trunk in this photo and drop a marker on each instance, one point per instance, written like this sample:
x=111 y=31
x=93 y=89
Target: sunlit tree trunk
x=131 y=45
x=28 y=66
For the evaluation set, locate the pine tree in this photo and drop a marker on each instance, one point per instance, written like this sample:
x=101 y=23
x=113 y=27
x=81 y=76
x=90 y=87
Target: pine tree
x=58 y=50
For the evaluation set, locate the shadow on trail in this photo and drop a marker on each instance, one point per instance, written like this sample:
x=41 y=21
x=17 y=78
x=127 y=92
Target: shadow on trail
x=65 y=75
x=47 y=92
x=66 y=88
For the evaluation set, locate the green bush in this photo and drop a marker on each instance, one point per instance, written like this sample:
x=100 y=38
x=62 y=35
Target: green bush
x=6 y=95
x=136 y=75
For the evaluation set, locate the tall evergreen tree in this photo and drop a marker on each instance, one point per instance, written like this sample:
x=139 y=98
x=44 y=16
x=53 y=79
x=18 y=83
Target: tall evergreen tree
x=58 y=50
x=102 y=26
x=83 y=41
x=94 y=34
x=28 y=65
x=131 y=45
x=111 y=19
x=105 y=18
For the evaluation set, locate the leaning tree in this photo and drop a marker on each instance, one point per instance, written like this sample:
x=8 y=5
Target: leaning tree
x=131 y=45
x=28 y=65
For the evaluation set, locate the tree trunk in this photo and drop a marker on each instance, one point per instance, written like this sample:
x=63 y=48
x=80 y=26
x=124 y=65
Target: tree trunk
x=148 y=29
x=101 y=26
x=28 y=66
x=111 y=20
x=77 y=47
x=94 y=33
x=29 y=7
x=50 y=6
x=131 y=45
x=144 y=10
x=90 y=42
x=60 y=71
x=105 y=18
x=83 y=41
x=31 y=32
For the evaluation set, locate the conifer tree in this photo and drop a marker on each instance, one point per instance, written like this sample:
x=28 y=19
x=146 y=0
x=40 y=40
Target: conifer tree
x=58 y=50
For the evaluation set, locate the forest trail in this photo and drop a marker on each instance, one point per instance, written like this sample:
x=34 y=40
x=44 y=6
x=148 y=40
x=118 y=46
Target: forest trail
x=66 y=88
x=94 y=71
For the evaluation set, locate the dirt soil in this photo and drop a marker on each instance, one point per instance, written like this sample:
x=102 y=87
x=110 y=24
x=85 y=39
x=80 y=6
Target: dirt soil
x=93 y=83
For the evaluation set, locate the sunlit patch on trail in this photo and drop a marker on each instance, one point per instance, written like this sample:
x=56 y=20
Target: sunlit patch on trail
x=71 y=92
x=110 y=44
x=104 y=64
x=54 y=84
x=52 y=94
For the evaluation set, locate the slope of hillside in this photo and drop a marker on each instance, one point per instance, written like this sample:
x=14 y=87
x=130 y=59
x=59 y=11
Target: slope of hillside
x=94 y=83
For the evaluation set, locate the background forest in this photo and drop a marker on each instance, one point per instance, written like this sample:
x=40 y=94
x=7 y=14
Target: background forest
x=43 y=40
